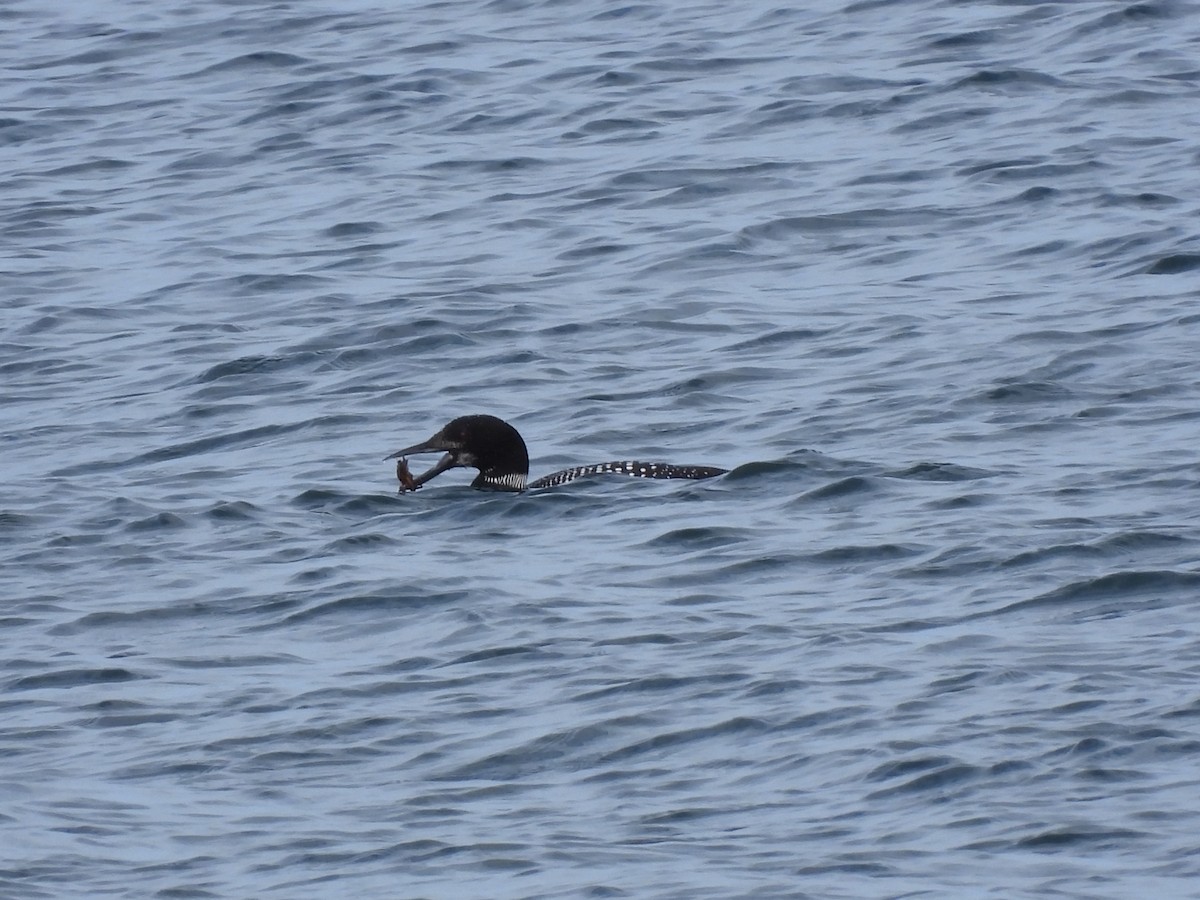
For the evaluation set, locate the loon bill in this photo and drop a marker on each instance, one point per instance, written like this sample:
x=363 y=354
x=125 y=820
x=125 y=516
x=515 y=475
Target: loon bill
x=498 y=451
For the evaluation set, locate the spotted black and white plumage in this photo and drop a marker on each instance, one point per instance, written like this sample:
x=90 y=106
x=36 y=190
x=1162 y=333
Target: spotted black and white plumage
x=498 y=451
x=632 y=468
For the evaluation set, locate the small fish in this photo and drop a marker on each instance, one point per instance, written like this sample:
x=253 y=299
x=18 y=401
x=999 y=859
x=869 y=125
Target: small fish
x=407 y=482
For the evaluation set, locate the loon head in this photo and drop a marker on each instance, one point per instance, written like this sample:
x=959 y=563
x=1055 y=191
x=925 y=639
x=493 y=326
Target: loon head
x=485 y=443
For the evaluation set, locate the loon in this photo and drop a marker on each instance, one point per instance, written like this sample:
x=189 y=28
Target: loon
x=498 y=451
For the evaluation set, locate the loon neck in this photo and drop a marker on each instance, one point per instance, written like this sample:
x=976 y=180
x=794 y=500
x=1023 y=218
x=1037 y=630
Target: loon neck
x=511 y=481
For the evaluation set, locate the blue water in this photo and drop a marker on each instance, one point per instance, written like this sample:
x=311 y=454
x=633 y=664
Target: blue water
x=923 y=275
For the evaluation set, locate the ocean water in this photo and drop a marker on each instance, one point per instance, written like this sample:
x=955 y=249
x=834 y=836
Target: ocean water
x=922 y=275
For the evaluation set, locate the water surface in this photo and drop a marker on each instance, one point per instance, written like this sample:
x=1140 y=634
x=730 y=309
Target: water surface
x=921 y=275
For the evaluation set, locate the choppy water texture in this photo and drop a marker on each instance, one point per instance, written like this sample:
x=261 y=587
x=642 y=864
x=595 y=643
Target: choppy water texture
x=923 y=275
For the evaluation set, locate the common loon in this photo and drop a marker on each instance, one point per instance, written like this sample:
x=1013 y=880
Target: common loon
x=497 y=450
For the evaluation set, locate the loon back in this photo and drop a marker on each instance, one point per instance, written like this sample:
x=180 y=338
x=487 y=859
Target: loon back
x=498 y=451
x=628 y=467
